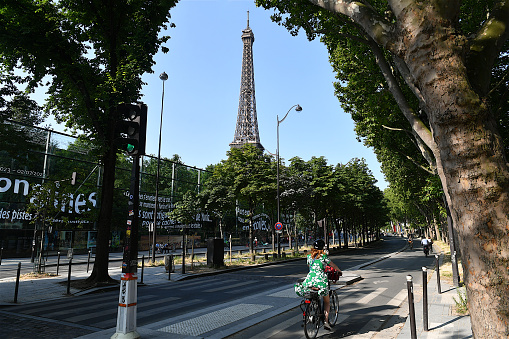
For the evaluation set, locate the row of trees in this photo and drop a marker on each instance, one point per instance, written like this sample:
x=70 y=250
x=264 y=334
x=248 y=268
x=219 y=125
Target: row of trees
x=344 y=195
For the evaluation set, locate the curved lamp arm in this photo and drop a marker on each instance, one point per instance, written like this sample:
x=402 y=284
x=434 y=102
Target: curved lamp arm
x=298 y=108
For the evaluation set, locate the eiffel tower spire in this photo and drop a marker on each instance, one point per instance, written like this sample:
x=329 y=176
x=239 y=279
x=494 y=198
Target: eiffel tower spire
x=246 y=131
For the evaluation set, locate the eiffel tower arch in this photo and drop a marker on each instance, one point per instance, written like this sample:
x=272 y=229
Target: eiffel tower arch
x=246 y=131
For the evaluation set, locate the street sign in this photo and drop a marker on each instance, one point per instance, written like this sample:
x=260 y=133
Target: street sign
x=278 y=226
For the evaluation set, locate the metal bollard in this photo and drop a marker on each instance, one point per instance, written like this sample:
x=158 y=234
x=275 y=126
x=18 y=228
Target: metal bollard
x=170 y=266
x=410 y=289
x=142 y=267
x=69 y=277
x=58 y=261
x=425 y=298
x=17 y=283
x=88 y=261
x=437 y=264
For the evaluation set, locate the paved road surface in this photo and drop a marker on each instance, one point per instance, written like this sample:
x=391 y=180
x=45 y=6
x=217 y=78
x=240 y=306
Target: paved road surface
x=364 y=306
x=185 y=301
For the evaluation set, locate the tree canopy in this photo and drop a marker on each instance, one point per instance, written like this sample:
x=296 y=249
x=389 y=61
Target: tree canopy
x=91 y=55
x=426 y=82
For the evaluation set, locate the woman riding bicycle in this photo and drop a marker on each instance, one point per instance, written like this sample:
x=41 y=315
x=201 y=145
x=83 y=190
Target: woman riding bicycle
x=317 y=279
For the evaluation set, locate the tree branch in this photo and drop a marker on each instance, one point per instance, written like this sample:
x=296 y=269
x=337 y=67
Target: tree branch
x=430 y=171
x=485 y=47
x=417 y=125
x=375 y=25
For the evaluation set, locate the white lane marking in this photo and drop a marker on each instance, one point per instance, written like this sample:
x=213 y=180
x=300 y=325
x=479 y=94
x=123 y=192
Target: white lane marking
x=372 y=295
x=398 y=299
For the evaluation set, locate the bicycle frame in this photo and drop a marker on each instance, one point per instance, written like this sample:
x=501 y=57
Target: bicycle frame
x=313 y=315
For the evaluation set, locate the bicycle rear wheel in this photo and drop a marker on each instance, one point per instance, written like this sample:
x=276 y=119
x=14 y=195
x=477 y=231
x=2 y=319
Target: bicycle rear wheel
x=334 y=308
x=312 y=320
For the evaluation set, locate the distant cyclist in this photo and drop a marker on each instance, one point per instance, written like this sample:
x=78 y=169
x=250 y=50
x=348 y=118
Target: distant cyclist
x=426 y=243
x=316 y=278
x=410 y=241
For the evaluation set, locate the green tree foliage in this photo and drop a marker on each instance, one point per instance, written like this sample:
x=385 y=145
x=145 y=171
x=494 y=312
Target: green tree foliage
x=426 y=82
x=251 y=178
x=17 y=106
x=345 y=195
x=217 y=196
x=92 y=55
x=185 y=210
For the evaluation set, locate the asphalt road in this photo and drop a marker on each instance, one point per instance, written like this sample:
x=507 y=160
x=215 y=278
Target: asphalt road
x=158 y=302
x=366 y=306
x=9 y=266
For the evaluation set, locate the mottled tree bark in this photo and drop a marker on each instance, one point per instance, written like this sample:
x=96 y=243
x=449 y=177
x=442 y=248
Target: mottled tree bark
x=450 y=76
x=100 y=273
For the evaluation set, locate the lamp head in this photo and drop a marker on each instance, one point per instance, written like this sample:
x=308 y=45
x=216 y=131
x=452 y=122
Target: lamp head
x=163 y=76
x=298 y=108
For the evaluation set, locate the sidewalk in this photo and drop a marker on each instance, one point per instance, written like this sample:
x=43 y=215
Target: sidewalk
x=442 y=323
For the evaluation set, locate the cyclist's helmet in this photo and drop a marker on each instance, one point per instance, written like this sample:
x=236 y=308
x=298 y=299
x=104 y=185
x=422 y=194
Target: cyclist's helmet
x=319 y=244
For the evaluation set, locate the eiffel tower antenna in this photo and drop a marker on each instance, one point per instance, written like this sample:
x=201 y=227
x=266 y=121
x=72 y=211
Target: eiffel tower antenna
x=246 y=131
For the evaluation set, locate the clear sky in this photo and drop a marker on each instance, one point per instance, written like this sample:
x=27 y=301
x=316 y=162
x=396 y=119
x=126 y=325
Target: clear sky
x=202 y=91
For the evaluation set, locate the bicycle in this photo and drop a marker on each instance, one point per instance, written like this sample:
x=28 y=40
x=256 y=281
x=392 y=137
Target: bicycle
x=313 y=315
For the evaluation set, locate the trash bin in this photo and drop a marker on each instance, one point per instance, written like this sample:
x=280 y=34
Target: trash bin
x=168 y=263
x=215 y=253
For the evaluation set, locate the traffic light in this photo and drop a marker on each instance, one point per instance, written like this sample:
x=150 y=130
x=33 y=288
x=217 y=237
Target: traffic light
x=131 y=130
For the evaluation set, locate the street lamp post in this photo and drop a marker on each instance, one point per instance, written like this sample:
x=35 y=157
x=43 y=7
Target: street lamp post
x=163 y=76
x=298 y=109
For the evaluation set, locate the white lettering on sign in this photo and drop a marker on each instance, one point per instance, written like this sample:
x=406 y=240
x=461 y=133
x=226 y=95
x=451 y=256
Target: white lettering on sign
x=8 y=184
x=22 y=187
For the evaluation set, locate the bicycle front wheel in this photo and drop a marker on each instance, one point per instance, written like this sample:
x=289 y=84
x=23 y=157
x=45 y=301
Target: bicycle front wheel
x=312 y=320
x=334 y=308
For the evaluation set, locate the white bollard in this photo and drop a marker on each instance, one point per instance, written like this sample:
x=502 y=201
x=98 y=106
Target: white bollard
x=127 y=306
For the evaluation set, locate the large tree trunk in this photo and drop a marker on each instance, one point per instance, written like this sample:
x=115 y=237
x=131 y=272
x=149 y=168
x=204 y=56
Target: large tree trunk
x=463 y=138
x=100 y=273
x=438 y=235
x=474 y=174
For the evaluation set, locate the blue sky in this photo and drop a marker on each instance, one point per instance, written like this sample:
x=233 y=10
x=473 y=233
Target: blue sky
x=202 y=91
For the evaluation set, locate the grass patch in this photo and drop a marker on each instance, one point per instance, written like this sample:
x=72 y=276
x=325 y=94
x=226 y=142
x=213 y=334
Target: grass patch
x=150 y=263
x=446 y=266
x=35 y=275
x=461 y=304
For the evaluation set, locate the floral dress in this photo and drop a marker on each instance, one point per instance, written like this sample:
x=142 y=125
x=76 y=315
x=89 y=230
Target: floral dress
x=316 y=277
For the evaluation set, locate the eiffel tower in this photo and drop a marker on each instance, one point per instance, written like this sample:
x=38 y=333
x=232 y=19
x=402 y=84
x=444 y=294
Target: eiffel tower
x=246 y=131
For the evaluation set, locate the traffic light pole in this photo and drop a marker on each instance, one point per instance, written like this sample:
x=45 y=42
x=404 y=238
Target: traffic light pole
x=127 y=302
